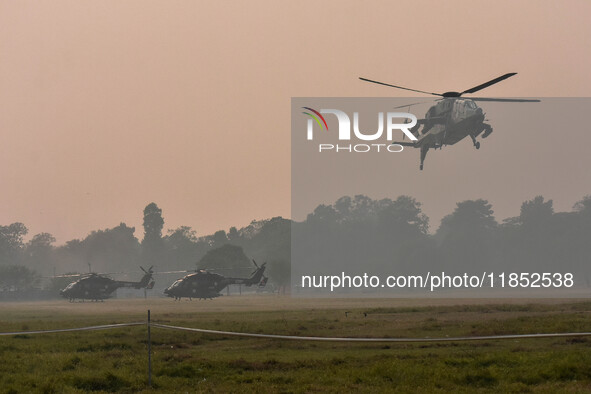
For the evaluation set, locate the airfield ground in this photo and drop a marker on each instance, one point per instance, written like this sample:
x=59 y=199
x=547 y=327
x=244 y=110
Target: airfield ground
x=116 y=360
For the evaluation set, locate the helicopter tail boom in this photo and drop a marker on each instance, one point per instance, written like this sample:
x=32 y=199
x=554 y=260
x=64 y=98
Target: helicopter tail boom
x=256 y=278
x=146 y=282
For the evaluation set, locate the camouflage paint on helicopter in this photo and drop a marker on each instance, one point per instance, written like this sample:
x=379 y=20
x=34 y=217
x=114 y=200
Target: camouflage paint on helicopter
x=98 y=287
x=207 y=285
x=453 y=118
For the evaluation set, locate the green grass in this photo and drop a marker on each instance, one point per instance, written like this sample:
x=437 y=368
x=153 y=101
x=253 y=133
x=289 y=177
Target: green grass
x=116 y=360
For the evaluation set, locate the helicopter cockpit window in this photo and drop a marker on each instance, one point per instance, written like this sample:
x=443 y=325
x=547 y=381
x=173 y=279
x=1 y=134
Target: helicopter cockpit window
x=176 y=283
x=471 y=104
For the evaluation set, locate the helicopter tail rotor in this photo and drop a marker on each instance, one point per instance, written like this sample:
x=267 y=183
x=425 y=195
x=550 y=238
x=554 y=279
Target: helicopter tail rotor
x=147 y=281
x=149 y=271
x=257 y=275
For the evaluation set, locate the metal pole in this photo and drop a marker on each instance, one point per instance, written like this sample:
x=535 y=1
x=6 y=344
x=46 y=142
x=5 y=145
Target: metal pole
x=149 y=353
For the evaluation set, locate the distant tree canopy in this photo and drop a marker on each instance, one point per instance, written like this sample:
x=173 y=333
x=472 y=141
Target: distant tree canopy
x=109 y=250
x=153 y=252
x=219 y=239
x=387 y=236
x=351 y=229
x=393 y=232
x=182 y=248
x=16 y=278
x=584 y=206
x=469 y=216
x=228 y=260
x=396 y=216
x=267 y=240
x=467 y=236
x=536 y=212
x=39 y=253
x=279 y=273
x=11 y=242
x=153 y=224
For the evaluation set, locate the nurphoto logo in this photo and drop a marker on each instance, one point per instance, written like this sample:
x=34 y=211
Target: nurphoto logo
x=389 y=122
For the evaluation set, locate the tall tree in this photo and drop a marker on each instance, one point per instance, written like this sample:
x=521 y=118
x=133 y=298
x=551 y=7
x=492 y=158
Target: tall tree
x=536 y=212
x=580 y=251
x=108 y=250
x=219 y=239
x=233 y=236
x=11 y=243
x=230 y=260
x=152 y=244
x=279 y=273
x=584 y=206
x=528 y=240
x=39 y=253
x=359 y=233
x=181 y=248
x=153 y=224
x=467 y=236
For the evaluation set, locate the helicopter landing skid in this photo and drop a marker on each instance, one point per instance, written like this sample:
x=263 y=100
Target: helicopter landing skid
x=476 y=143
x=424 y=150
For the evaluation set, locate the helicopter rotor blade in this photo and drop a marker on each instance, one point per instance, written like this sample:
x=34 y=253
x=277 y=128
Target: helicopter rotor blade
x=410 y=105
x=502 y=100
x=66 y=276
x=399 y=87
x=487 y=84
x=86 y=274
x=175 y=272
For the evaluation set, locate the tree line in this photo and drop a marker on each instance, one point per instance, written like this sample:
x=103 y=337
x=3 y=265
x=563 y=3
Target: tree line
x=117 y=249
x=378 y=235
x=359 y=234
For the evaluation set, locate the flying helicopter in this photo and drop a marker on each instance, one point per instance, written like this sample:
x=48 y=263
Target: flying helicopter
x=207 y=285
x=453 y=118
x=96 y=287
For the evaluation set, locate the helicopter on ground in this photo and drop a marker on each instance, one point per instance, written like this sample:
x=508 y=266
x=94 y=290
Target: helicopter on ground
x=98 y=286
x=452 y=119
x=207 y=285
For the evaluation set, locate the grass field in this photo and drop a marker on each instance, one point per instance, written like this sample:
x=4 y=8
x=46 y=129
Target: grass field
x=116 y=360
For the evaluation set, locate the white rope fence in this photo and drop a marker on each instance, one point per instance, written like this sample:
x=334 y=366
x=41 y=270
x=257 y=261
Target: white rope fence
x=91 y=328
x=304 y=338
x=403 y=340
x=149 y=325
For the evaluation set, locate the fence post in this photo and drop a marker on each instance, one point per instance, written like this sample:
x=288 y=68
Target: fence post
x=149 y=353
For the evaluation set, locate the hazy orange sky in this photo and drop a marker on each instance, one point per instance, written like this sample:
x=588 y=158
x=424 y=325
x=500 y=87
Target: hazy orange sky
x=106 y=106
